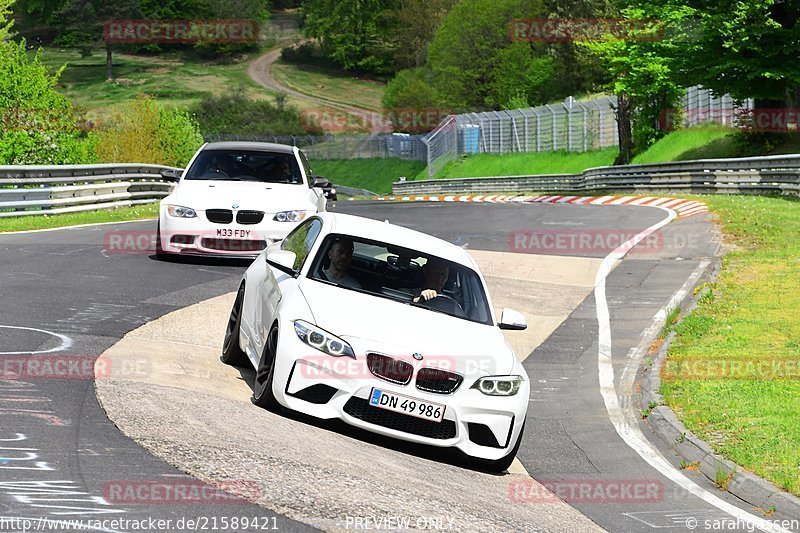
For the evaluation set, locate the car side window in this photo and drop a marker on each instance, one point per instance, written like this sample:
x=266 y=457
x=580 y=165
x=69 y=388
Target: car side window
x=307 y=168
x=301 y=240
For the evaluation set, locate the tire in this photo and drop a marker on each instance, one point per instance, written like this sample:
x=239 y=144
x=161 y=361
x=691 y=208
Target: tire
x=502 y=464
x=160 y=253
x=232 y=353
x=265 y=374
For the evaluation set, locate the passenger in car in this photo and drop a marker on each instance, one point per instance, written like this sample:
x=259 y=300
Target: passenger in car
x=340 y=255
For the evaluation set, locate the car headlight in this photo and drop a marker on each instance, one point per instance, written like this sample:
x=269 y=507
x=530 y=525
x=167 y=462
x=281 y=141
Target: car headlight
x=290 y=216
x=179 y=211
x=322 y=340
x=499 y=385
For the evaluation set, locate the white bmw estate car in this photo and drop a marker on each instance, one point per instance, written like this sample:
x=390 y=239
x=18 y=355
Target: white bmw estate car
x=335 y=325
x=236 y=198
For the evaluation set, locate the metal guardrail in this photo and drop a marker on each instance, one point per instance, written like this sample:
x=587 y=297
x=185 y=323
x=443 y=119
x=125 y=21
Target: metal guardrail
x=754 y=175
x=38 y=190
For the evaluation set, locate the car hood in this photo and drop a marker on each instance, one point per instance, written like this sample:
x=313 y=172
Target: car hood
x=372 y=323
x=269 y=197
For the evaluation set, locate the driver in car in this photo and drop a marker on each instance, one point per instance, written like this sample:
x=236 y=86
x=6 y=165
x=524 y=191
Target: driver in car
x=434 y=276
x=340 y=255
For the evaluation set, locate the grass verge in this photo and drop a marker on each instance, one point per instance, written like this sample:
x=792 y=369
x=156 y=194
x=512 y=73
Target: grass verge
x=170 y=78
x=374 y=174
x=120 y=214
x=691 y=143
x=483 y=165
x=733 y=370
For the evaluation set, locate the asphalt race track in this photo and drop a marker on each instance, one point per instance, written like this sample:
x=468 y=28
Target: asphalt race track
x=63 y=292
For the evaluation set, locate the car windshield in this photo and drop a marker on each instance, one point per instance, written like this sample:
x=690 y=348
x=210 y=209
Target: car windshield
x=401 y=274
x=245 y=165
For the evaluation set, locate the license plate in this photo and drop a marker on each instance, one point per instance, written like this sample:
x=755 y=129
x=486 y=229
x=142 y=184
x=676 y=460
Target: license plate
x=234 y=233
x=400 y=403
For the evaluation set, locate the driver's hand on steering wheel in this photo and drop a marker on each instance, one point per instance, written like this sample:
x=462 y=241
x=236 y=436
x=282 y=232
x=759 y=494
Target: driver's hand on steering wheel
x=427 y=294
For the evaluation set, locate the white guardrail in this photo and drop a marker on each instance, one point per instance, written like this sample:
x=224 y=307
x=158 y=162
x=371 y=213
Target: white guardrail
x=38 y=190
x=754 y=175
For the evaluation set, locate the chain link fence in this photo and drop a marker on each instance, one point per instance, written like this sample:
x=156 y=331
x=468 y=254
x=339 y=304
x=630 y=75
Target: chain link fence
x=399 y=145
x=702 y=106
x=574 y=126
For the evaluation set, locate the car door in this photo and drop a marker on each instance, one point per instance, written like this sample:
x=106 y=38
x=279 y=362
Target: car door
x=277 y=284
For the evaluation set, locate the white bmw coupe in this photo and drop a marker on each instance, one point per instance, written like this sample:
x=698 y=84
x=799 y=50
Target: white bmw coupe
x=386 y=328
x=236 y=198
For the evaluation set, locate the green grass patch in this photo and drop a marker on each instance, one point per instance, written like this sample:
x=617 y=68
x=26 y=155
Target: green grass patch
x=691 y=143
x=515 y=164
x=733 y=370
x=376 y=175
x=169 y=77
x=332 y=84
x=120 y=214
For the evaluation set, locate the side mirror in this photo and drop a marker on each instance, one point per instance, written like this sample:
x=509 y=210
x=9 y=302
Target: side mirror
x=283 y=260
x=319 y=181
x=171 y=174
x=512 y=320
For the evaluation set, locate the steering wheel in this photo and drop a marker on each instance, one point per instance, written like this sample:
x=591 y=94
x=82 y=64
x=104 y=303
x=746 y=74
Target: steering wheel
x=443 y=302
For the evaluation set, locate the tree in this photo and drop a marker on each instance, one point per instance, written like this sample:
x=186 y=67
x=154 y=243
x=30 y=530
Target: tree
x=82 y=23
x=748 y=49
x=465 y=52
x=518 y=76
x=38 y=125
x=353 y=33
x=642 y=59
x=416 y=22
x=6 y=22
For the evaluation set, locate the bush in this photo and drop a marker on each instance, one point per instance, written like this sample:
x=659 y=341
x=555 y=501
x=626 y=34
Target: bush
x=143 y=132
x=236 y=114
x=54 y=148
x=301 y=54
x=38 y=126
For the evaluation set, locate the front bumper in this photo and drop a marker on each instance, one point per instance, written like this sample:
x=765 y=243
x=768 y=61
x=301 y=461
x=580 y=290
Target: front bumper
x=322 y=386
x=198 y=236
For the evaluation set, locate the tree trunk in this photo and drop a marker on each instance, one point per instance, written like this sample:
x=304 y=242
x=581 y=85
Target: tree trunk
x=109 y=63
x=622 y=114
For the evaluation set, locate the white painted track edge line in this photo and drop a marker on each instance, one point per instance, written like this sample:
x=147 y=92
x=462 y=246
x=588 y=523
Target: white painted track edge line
x=632 y=435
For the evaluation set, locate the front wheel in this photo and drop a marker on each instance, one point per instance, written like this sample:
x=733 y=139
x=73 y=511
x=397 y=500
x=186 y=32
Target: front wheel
x=232 y=353
x=262 y=386
x=160 y=253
